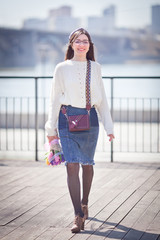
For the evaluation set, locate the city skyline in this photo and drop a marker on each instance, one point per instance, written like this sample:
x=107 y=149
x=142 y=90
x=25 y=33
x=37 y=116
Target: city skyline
x=129 y=14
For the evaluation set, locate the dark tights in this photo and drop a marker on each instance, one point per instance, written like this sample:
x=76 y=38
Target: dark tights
x=74 y=185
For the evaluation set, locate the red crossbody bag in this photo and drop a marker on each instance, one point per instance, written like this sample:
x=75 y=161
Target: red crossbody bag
x=81 y=122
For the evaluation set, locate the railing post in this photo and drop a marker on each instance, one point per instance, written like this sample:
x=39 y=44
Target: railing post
x=36 y=119
x=112 y=115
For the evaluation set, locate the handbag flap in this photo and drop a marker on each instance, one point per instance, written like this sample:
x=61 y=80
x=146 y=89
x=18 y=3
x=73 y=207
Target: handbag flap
x=79 y=122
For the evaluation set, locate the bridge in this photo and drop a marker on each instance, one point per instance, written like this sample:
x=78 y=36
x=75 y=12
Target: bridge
x=26 y=48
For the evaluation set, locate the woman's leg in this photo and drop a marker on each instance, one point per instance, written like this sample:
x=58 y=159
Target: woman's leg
x=74 y=187
x=87 y=177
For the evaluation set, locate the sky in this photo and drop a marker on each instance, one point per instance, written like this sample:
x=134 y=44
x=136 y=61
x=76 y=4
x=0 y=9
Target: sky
x=129 y=13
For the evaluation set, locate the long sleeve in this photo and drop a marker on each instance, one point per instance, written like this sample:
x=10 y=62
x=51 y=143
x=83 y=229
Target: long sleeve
x=54 y=104
x=103 y=108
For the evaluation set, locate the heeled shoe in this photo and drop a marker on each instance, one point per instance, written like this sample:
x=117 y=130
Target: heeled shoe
x=85 y=210
x=78 y=224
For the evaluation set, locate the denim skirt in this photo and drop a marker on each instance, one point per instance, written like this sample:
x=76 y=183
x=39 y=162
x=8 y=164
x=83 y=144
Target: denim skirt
x=78 y=147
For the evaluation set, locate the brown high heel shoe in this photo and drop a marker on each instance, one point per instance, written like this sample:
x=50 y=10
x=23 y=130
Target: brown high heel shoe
x=78 y=224
x=85 y=211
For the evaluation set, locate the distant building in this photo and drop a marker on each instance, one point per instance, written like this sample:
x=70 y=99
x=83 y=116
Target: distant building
x=35 y=24
x=104 y=25
x=109 y=14
x=61 y=20
x=62 y=11
x=155 y=19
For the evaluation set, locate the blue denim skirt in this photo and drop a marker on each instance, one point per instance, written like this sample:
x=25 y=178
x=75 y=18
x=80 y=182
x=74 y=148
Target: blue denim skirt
x=78 y=147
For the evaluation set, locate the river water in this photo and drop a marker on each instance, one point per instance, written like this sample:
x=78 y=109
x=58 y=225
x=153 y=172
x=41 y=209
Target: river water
x=122 y=87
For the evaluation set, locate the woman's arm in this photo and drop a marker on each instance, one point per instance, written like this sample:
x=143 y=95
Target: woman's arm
x=103 y=108
x=54 y=104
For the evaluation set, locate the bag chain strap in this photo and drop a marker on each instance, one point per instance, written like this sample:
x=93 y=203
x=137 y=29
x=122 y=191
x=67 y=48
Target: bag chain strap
x=88 y=95
x=88 y=77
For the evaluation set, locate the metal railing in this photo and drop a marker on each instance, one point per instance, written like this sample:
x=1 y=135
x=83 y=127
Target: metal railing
x=136 y=120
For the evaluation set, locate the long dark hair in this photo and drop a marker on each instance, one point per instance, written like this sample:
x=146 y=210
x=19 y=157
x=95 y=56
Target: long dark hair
x=74 y=35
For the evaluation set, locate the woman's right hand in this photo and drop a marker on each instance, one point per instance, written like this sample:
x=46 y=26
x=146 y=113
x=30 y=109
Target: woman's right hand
x=51 y=138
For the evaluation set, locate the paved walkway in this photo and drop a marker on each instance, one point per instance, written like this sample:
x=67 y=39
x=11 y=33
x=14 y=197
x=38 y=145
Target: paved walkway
x=35 y=204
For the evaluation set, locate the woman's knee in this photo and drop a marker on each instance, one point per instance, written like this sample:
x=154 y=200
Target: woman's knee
x=88 y=169
x=73 y=168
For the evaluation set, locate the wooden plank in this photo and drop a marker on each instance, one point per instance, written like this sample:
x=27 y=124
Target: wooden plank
x=31 y=199
x=130 y=219
x=44 y=176
x=138 y=235
x=120 y=213
x=46 y=218
x=32 y=232
x=40 y=211
x=5 y=230
x=149 y=236
x=14 y=211
x=13 y=198
x=34 y=180
x=16 y=174
x=27 y=199
x=134 y=234
x=50 y=233
x=156 y=186
x=42 y=217
x=151 y=181
x=126 y=223
x=9 y=191
x=45 y=202
x=66 y=234
x=118 y=180
x=145 y=220
x=140 y=208
x=29 y=179
x=15 y=178
x=12 y=185
x=25 y=233
x=155 y=224
x=149 y=215
x=5 y=171
x=100 y=197
x=117 y=202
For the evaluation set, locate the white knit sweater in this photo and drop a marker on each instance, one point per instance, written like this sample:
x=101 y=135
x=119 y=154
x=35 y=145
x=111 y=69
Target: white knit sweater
x=68 y=88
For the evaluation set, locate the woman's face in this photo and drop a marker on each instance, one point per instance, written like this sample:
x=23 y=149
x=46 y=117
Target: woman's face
x=81 y=45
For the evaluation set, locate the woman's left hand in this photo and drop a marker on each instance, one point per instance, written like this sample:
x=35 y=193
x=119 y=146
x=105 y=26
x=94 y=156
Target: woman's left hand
x=50 y=138
x=111 y=137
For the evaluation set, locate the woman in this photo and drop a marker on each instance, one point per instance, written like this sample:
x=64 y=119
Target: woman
x=68 y=90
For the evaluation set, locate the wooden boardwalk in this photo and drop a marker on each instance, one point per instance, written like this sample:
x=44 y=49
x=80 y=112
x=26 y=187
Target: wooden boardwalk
x=35 y=203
